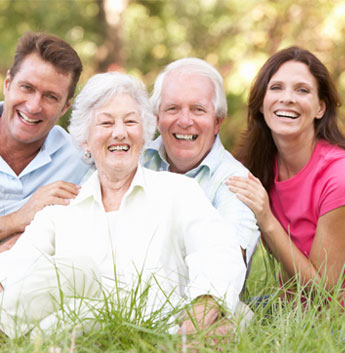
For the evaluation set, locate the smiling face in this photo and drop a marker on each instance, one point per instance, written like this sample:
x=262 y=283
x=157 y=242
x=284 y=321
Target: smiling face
x=35 y=98
x=291 y=103
x=115 y=136
x=187 y=120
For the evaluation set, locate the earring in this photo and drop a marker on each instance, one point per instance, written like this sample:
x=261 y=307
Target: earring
x=87 y=154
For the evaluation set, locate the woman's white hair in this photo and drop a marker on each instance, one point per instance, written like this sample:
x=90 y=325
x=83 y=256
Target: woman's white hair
x=98 y=90
x=192 y=66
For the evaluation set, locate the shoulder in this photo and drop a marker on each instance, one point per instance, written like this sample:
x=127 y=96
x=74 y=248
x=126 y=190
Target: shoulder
x=58 y=133
x=231 y=166
x=331 y=159
x=60 y=142
x=222 y=163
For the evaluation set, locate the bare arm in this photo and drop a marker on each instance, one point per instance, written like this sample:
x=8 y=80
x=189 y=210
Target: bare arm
x=58 y=193
x=328 y=249
x=328 y=245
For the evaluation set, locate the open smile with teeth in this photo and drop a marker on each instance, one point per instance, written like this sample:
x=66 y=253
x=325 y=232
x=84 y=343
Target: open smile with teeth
x=287 y=114
x=27 y=120
x=185 y=137
x=122 y=148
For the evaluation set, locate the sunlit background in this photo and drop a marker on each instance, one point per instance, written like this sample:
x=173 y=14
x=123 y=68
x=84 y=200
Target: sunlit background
x=141 y=37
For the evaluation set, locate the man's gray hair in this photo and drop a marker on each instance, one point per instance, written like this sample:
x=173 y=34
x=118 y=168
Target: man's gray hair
x=192 y=66
x=101 y=88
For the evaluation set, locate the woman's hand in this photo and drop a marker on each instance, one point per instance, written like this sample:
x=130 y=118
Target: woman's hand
x=253 y=194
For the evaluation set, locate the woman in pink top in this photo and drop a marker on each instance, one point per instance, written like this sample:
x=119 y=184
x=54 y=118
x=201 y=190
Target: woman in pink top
x=296 y=151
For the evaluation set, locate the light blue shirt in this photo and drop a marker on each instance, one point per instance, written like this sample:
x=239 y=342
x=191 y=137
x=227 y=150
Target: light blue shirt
x=58 y=159
x=211 y=175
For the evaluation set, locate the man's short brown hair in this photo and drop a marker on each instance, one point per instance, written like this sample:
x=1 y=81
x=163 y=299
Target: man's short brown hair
x=52 y=49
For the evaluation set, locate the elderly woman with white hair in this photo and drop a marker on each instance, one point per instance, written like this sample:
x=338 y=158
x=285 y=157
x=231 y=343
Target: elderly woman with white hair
x=126 y=222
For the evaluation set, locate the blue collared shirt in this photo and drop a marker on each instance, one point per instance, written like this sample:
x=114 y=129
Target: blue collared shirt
x=58 y=159
x=211 y=175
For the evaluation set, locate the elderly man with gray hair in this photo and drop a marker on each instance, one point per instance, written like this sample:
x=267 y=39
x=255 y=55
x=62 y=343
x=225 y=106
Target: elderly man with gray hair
x=190 y=105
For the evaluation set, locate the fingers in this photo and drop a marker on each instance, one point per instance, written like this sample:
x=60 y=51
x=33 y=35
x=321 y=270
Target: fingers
x=60 y=189
x=245 y=187
x=251 y=192
x=58 y=193
x=219 y=334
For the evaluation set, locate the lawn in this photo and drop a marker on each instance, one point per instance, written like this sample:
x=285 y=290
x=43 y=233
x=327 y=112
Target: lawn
x=275 y=328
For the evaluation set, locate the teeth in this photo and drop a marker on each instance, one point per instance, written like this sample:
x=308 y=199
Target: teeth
x=186 y=137
x=283 y=113
x=28 y=120
x=118 y=148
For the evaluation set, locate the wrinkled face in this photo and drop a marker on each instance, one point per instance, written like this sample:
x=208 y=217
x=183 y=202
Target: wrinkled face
x=292 y=103
x=187 y=120
x=115 y=136
x=35 y=98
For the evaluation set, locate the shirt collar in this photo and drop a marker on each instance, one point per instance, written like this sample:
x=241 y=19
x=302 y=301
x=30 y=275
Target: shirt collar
x=92 y=187
x=55 y=140
x=157 y=146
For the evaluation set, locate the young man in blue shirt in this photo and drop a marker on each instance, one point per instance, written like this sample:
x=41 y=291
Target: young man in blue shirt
x=39 y=164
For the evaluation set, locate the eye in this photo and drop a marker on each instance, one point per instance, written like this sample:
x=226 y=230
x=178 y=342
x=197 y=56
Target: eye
x=131 y=122
x=171 y=109
x=105 y=123
x=26 y=88
x=198 y=109
x=275 y=87
x=303 y=90
x=52 y=97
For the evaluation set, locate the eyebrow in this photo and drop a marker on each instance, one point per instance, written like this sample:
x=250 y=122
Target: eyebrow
x=112 y=115
x=296 y=83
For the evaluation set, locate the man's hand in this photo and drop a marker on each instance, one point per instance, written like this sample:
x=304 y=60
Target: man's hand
x=205 y=315
x=58 y=193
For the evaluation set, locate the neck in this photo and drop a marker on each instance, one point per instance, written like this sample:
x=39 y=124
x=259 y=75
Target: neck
x=16 y=154
x=293 y=156
x=114 y=188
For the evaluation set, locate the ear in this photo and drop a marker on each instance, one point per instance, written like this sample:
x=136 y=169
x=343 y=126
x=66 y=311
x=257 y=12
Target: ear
x=157 y=118
x=66 y=106
x=219 y=122
x=321 y=111
x=7 y=81
x=85 y=146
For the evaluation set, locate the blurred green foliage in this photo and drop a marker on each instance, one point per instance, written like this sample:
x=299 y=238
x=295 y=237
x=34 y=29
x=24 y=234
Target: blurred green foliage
x=142 y=36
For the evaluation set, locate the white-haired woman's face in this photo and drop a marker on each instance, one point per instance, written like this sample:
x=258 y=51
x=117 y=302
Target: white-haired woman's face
x=115 y=135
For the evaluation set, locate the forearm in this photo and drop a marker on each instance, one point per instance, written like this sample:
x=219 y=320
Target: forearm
x=11 y=224
x=293 y=261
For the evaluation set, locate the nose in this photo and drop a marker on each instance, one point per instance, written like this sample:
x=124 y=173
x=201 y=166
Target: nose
x=287 y=96
x=119 y=131
x=185 y=119
x=34 y=104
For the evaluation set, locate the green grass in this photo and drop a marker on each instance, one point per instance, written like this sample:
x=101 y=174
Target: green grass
x=290 y=328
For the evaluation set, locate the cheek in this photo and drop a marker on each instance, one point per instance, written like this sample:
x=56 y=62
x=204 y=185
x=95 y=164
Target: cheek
x=163 y=123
